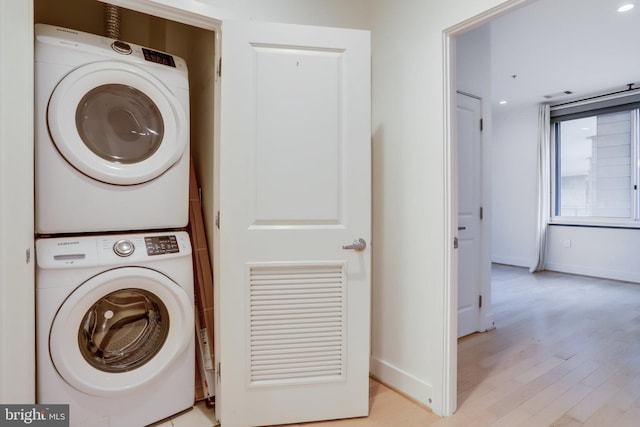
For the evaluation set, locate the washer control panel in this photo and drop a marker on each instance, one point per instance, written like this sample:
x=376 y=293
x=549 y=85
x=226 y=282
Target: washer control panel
x=116 y=250
x=160 y=245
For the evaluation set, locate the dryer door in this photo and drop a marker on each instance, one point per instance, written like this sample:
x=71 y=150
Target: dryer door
x=120 y=330
x=117 y=123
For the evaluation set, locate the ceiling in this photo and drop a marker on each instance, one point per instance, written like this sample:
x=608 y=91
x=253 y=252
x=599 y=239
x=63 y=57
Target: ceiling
x=551 y=46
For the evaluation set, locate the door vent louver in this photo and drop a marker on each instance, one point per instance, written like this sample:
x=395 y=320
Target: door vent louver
x=296 y=323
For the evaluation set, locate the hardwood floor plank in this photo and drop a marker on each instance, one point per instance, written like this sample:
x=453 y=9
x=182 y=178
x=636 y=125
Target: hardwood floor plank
x=566 y=421
x=539 y=369
x=527 y=391
x=629 y=392
x=558 y=406
x=591 y=403
x=629 y=418
x=604 y=416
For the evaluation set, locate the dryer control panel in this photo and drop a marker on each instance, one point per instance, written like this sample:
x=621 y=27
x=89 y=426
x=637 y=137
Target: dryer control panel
x=158 y=57
x=66 y=43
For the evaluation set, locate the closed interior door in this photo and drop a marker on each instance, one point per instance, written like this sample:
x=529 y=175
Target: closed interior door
x=295 y=188
x=469 y=114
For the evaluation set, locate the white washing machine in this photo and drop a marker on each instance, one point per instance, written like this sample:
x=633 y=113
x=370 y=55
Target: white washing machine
x=115 y=327
x=111 y=135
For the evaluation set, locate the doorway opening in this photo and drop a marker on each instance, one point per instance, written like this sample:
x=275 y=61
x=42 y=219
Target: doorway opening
x=452 y=87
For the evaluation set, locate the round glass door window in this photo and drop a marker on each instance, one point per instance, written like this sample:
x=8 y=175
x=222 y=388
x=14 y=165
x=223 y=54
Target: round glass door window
x=119 y=123
x=123 y=330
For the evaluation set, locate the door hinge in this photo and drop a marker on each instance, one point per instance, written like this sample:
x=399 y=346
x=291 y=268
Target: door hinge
x=481 y=213
x=220 y=67
x=481 y=125
x=455 y=243
x=479 y=301
x=218 y=220
x=28 y=255
x=218 y=371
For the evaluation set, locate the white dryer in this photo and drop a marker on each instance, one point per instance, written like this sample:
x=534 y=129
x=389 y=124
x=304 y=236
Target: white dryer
x=111 y=135
x=115 y=327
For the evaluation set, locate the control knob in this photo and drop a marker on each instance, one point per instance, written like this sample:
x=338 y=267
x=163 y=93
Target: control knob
x=123 y=248
x=121 y=47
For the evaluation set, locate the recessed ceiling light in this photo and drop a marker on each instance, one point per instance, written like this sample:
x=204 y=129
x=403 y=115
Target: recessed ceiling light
x=626 y=7
x=502 y=102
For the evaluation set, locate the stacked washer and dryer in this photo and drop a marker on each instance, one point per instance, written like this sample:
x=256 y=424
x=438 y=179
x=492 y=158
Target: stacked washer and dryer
x=114 y=277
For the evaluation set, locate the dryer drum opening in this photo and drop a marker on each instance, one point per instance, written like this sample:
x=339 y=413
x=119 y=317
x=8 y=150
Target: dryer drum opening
x=119 y=123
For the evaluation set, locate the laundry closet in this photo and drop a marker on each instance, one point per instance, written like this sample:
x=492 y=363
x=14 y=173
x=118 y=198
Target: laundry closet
x=280 y=141
x=124 y=203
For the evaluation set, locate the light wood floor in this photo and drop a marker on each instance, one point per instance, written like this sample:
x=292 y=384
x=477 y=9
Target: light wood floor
x=565 y=353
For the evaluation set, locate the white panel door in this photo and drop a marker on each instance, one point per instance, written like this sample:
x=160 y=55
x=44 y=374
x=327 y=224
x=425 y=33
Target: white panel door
x=294 y=188
x=469 y=114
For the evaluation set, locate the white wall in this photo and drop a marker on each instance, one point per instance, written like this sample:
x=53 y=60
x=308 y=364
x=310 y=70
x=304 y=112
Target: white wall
x=514 y=153
x=600 y=252
x=412 y=340
x=473 y=65
x=329 y=13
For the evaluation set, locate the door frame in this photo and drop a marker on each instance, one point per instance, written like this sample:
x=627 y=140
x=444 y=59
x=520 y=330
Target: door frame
x=449 y=354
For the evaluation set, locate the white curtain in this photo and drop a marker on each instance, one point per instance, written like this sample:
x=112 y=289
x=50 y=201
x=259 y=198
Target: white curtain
x=544 y=185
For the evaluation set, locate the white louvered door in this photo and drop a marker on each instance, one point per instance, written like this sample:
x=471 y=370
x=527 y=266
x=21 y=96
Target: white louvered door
x=297 y=316
x=294 y=305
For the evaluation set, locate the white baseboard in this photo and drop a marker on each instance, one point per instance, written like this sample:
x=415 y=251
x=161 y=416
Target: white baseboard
x=582 y=270
x=401 y=381
x=488 y=323
x=515 y=261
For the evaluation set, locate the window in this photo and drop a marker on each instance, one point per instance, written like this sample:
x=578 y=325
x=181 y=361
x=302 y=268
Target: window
x=596 y=163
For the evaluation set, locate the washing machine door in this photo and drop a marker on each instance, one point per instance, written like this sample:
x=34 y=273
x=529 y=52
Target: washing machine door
x=117 y=123
x=120 y=330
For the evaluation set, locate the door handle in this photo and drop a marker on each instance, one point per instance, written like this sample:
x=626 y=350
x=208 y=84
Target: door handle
x=358 y=244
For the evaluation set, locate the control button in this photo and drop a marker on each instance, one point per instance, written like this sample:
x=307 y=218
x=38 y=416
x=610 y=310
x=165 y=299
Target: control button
x=121 y=47
x=160 y=245
x=123 y=248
